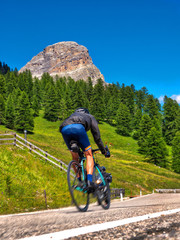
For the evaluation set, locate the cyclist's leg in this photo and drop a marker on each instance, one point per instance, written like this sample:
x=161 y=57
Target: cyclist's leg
x=75 y=156
x=90 y=162
x=90 y=167
x=86 y=147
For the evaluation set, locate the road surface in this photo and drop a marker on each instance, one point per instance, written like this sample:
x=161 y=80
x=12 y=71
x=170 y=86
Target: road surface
x=19 y=226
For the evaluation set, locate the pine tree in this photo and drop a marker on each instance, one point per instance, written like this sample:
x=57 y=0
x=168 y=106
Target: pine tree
x=70 y=99
x=111 y=103
x=4 y=68
x=9 y=112
x=2 y=109
x=123 y=119
x=35 y=106
x=79 y=98
x=171 y=108
x=51 y=104
x=156 y=150
x=60 y=86
x=122 y=93
x=111 y=111
x=140 y=97
x=177 y=120
x=11 y=82
x=176 y=153
x=136 y=122
x=45 y=81
x=15 y=96
x=63 y=110
x=28 y=84
x=89 y=89
x=151 y=107
x=97 y=105
x=128 y=99
x=2 y=86
x=137 y=119
x=37 y=90
x=144 y=129
x=24 y=116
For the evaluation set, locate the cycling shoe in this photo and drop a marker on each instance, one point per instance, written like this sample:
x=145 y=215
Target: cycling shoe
x=91 y=187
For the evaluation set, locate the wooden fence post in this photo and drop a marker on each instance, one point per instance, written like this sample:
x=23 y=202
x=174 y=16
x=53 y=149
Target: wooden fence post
x=46 y=156
x=14 y=139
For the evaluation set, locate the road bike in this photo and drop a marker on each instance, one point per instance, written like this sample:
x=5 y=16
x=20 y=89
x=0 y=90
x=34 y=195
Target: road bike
x=77 y=183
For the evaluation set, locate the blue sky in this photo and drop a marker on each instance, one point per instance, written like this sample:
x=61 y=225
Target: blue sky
x=130 y=41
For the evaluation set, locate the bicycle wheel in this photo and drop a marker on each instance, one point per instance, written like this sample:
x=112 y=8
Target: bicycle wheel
x=79 y=197
x=103 y=190
x=106 y=196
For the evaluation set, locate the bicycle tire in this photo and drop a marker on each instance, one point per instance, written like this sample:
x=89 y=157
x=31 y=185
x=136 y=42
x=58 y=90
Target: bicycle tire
x=79 y=198
x=103 y=191
x=105 y=202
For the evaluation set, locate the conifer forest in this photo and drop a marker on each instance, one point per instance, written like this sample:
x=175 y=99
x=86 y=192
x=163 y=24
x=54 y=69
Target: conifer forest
x=134 y=112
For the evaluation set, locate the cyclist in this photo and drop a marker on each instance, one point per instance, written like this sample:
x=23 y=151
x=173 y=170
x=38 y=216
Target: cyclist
x=74 y=128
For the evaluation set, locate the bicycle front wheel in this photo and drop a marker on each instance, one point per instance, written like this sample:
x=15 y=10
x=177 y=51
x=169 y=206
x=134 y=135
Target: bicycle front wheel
x=106 y=199
x=79 y=196
x=103 y=189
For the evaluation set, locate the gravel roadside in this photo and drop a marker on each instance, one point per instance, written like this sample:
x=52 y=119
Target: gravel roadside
x=165 y=227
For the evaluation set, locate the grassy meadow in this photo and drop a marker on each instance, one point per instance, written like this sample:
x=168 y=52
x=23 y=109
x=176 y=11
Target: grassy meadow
x=24 y=176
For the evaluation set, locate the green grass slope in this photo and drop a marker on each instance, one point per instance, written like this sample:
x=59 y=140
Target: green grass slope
x=24 y=180
x=24 y=177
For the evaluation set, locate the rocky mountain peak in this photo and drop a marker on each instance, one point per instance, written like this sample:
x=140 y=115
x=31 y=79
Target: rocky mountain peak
x=64 y=59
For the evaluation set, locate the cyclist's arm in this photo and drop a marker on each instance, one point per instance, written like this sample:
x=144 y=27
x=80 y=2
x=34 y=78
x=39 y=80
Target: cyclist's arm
x=96 y=135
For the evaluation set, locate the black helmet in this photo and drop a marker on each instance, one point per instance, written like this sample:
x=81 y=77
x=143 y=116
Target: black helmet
x=82 y=110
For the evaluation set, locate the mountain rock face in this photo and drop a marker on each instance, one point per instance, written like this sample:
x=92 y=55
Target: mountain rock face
x=64 y=59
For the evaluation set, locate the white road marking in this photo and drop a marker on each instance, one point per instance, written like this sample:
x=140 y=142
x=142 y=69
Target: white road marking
x=98 y=227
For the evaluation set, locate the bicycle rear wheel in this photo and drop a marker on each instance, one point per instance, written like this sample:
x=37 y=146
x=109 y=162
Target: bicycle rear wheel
x=80 y=198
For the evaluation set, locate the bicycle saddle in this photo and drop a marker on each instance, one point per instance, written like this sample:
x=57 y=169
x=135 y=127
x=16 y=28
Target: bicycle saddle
x=74 y=146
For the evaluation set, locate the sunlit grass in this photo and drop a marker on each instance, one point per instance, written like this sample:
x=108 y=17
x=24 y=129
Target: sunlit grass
x=24 y=178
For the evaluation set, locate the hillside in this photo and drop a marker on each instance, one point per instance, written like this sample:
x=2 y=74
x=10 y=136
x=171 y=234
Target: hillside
x=25 y=177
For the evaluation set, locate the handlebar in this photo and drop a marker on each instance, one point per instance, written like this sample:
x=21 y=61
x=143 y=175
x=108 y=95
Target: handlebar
x=95 y=150
x=107 y=155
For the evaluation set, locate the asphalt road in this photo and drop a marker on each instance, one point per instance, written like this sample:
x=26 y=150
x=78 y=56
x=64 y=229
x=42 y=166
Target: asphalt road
x=164 y=227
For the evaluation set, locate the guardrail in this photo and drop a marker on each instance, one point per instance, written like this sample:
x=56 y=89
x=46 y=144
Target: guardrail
x=3 y=139
x=168 y=190
x=16 y=140
x=117 y=193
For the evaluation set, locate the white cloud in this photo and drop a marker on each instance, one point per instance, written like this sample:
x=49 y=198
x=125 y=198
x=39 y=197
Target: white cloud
x=161 y=99
x=176 y=97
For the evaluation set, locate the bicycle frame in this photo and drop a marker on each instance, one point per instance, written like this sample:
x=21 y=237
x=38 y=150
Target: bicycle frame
x=81 y=160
